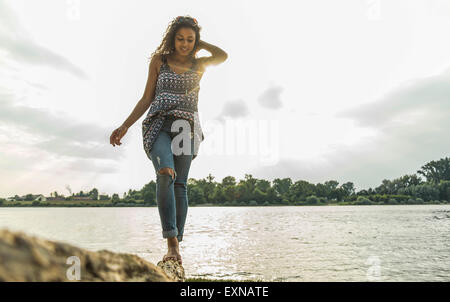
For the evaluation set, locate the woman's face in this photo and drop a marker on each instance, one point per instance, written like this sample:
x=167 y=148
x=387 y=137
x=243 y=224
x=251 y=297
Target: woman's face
x=184 y=41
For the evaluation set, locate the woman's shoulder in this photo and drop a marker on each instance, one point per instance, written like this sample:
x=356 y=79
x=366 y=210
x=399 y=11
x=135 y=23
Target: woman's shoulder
x=159 y=60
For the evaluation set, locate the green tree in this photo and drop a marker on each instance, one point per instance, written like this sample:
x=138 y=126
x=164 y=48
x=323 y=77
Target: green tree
x=300 y=190
x=444 y=190
x=425 y=192
x=115 y=198
x=331 y=184
x=207 y=186
x=349 y=188
x=228 y=181
x=245 y=188
x=435 y=171
x=386 y=187
x=406 y=181
x=272 y=197
x=282 y=186
x=322 y=190
x=29 y=197
x=150 y=197
x=230 y=193
x=218 y=195
x=263 y=185
x=259 y=196
x=94 y=194
x=195 y=194
x=332 y=188
x=148 y=192
x=228 y=188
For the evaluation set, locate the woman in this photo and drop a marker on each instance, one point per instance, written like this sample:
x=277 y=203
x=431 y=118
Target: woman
x=171 y=93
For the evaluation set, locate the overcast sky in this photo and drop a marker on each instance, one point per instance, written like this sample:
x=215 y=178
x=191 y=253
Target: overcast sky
x=353 y=90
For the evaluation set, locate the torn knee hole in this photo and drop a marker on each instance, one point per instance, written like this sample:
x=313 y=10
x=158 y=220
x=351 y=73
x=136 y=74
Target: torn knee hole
x=167 y=171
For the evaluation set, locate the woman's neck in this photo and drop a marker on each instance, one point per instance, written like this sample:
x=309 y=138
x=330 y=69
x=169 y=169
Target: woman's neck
x=180 y=59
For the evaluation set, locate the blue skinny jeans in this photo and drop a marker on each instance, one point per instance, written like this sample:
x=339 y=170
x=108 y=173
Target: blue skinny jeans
x=171 y=194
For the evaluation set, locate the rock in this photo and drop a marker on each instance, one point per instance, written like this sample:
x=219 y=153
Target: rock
x=29 y=258
x=173 y=269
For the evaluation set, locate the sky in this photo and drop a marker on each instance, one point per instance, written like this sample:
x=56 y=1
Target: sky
x=352 y=90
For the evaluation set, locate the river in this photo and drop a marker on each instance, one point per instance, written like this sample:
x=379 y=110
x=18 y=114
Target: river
x=280 y=243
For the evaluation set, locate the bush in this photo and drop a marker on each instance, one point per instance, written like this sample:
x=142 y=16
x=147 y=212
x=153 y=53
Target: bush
x=253 y=203
x=411 y=201
x=361 y=200
x=392 y=201
x=285 y=201
x=312 y=199
x=36 y=203
x=266 y=203
x=234 y=203
x=323 y=200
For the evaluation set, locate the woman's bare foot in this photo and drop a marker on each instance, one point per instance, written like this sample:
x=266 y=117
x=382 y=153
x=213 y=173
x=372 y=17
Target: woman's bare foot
x=173 y=255
x=173 y=250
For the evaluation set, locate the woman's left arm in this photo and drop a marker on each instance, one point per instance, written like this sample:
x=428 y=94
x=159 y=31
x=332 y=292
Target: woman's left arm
x=217 y=54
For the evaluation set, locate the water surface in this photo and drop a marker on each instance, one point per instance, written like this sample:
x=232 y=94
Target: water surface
x=304 y=243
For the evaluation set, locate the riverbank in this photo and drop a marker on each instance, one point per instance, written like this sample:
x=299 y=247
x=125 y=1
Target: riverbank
x=142 y=204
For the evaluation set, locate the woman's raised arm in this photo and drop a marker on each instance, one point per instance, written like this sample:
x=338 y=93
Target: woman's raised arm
x=218 y=55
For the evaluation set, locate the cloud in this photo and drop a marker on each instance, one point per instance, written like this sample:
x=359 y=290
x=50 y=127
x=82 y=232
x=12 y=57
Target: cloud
x=55 y=128
x=427 y=96
x=39 y=147
x=43 y=136
x=412 y=123
x=21 y=48
x=233 y=109
x=83 y=165
x=270 y=98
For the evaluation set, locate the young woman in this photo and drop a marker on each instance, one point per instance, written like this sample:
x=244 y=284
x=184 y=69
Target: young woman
x=171 y=93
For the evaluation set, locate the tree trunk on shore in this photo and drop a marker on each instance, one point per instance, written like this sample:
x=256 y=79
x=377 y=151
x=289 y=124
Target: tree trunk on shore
x=28 y=258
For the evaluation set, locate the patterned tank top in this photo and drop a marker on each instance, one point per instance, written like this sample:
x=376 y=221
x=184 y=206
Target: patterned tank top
x=176 y=97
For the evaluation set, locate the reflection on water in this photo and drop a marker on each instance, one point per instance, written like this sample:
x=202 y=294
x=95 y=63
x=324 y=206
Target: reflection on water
x=326 y=243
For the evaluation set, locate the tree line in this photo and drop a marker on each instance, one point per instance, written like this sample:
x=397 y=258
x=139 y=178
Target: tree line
x=431 y=184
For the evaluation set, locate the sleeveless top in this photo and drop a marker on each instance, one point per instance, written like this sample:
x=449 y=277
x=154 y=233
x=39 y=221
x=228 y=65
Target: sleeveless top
x=176 y=97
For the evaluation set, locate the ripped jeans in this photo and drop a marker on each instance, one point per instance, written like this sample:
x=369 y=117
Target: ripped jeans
x=171 y=194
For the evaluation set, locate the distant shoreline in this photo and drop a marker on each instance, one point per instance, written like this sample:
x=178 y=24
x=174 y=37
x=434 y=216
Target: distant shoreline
x=142 y=205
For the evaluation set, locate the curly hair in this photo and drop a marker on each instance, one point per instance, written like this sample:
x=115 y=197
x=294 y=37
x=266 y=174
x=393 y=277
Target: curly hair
x=167 y=45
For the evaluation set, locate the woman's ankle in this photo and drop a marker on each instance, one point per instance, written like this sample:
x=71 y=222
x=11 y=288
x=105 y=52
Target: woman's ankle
x=172 y=242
